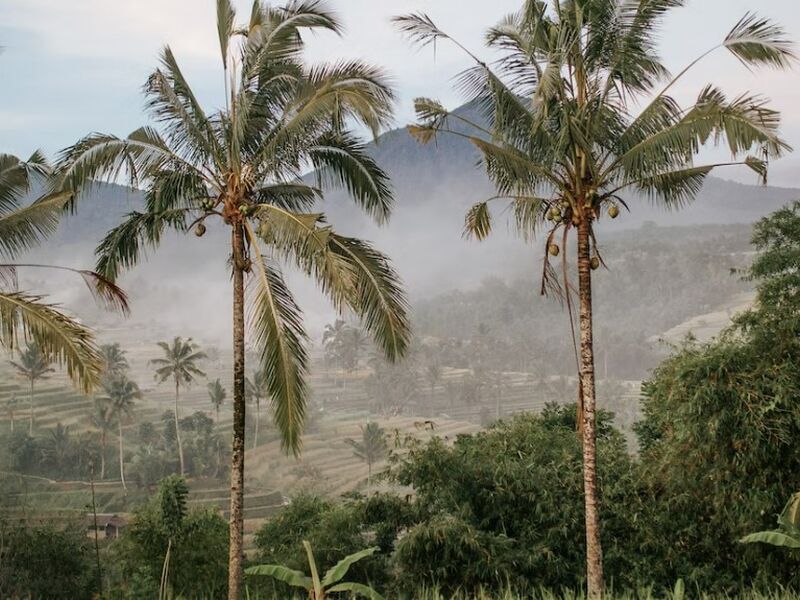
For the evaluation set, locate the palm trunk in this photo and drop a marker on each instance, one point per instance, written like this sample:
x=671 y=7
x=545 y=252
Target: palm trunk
x=594 y=552
x=121 y=461
x=12 y=421
x=103 y=455
x=369 y=475
x=236 y=526
x=178 y=427
x=30 y=422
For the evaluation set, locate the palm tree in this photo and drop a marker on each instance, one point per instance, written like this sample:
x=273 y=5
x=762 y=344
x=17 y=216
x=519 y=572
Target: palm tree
x=56 y=448
x=371 y=448
x=565 y=138
x=27 y=316
x=217 y=394
x=103 y=419
x=241 y=167
x=114 y=360
x=179 y=364
x=11 y=406
x=33 y=366
x=256 y=389
x=120 y=393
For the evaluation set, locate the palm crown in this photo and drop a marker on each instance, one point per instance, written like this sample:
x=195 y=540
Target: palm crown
x=179 y=361
x=565 y=140
x=242 y=165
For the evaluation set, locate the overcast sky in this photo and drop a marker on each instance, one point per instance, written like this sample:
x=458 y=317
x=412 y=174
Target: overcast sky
x=73 y=67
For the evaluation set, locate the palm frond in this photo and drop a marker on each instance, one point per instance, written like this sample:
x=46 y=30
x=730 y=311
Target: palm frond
x=376 y=294
x=28 y=226
x=342 y=160
x=478 y=222
x=758 y=41
x=276 y=321
x=226 y=20
x=123 y=246
x=60 y=338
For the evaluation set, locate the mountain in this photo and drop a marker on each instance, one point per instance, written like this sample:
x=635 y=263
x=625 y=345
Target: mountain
x=187 y=288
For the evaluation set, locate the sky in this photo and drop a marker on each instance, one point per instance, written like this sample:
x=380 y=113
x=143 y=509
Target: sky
x=69 y=68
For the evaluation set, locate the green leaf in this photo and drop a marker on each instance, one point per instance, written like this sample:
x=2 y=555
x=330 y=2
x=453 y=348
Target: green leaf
x=337 y=572
x=284 y=574
x=774 y=538
x=358 y=589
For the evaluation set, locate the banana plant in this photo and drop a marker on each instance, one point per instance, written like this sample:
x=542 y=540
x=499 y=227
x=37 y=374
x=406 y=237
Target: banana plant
x=331 y=582
x=788 y=533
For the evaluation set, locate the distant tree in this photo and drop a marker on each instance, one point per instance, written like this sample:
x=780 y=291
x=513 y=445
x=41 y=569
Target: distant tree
x=33 y=366
x=120 y=393
x=217 y=394
x=11 y=407
x=180 y=365
x=579 y=113
x=56 y=448
x=114 y=360
x=371 y=447
x=343 y=344
x=433 y=373
x=255 y=390
x=103 y=420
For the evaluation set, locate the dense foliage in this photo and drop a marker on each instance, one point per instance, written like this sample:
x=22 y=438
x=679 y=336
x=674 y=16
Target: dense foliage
x=45 y=561
x=198 y=566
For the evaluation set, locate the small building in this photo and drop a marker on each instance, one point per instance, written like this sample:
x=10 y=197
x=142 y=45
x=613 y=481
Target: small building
x=109 y=526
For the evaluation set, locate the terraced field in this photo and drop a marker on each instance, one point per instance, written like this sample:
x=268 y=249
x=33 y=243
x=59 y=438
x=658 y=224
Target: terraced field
x=327 y=464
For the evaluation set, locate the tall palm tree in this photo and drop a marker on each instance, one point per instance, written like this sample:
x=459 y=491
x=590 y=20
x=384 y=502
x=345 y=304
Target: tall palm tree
x=103 y=419
x=241 y=167
x=256 y=389
x=577 y=113
x=120 y=393
x=33 y=366
x=24 y=225
x=180 y=365
x=371 y=447
x=114 y=360
x=217 y=394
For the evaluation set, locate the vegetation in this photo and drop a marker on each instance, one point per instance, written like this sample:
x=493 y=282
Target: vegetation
x=33 y=366
x=45 y=561
x=320 y=588
x=217 y=394
x=121 y=394
x=788 y=533
x=179 y=364
x=371 y=447
x=564 y=143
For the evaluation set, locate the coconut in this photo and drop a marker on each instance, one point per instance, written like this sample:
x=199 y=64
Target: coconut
x=553 y=249
x=613 y=211
x=594 y=263
x=200 y=230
